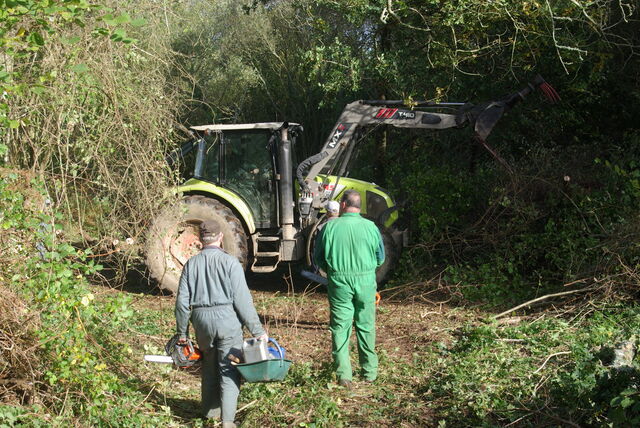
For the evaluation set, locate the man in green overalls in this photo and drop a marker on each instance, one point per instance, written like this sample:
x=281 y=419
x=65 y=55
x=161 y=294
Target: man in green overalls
x=349 y=249
x=213 y=293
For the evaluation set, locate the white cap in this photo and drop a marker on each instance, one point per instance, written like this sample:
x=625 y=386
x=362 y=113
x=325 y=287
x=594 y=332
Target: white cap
x=333 y=207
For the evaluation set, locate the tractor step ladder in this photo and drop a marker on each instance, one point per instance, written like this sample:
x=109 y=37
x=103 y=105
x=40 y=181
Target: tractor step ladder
x=267 y=253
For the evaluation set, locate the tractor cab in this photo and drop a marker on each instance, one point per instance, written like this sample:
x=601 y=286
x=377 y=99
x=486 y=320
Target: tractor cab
x=244 y=160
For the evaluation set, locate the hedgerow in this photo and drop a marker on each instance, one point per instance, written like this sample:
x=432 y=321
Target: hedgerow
x=76 y=353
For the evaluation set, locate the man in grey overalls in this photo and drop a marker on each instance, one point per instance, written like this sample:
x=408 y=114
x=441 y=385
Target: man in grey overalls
x=213 y=293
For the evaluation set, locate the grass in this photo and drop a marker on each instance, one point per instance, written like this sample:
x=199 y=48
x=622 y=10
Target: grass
x=309 y=395
x=447 y=368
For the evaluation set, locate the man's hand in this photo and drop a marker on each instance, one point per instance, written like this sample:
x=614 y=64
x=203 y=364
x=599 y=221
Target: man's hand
x=264 y=337
x=182 y=341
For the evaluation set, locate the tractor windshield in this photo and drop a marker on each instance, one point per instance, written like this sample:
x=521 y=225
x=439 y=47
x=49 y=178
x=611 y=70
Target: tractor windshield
x=247 y=170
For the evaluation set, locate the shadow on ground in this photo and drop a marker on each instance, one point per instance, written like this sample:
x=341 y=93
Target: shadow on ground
x=134 y=278
x=184 y=408
x=286 y=278
x=125 y=274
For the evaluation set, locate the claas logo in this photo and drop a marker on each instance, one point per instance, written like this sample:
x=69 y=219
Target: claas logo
x=394 y=113
x=386 y=113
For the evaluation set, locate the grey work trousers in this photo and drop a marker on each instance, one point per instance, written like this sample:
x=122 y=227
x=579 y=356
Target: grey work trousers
x=218 y=333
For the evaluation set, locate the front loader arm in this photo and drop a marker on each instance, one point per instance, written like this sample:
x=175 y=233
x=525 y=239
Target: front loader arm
x=482 y=117
x=362 y=113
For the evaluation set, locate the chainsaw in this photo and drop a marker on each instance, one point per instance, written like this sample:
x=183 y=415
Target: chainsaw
x=183 y=355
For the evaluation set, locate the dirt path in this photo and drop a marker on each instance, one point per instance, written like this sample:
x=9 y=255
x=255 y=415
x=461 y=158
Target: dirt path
x=296 y=312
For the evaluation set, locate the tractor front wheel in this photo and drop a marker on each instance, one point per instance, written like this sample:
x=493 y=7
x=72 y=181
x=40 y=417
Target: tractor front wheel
x=174 y=237
x=391 y=256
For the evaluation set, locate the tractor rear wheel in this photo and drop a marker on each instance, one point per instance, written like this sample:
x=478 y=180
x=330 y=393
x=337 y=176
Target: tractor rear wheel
x=174 y=237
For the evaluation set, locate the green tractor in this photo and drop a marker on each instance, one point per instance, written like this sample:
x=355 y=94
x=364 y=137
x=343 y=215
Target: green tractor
x=243 y=178
x=246 y=177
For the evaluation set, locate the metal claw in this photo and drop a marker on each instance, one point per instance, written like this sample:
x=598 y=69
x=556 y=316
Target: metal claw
x=549 y=92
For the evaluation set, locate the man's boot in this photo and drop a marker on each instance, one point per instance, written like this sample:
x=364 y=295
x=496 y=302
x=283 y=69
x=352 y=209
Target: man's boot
x=345 y=383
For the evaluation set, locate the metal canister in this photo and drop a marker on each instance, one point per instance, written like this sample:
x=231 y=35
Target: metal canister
x=254 y=350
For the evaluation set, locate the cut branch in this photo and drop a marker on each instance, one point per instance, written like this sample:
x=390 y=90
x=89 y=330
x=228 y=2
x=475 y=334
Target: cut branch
x=538 y=299
x=550 y=357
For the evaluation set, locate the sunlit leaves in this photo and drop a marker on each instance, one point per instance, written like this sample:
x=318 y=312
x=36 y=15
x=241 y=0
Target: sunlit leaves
x=80 y=68
x=28 y=26
x=109 y=19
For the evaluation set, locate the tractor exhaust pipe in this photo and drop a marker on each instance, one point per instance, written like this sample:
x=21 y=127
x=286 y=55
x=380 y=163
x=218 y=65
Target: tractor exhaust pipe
x=286 y=184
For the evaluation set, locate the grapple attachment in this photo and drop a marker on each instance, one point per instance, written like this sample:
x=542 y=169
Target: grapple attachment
x=487 y=115
x=547 y=90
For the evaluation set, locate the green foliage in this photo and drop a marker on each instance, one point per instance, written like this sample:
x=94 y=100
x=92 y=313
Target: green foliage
x=625 y=407
x=31 y=417
x=306 y=387
x=442 y=198
x=501 y=373
x=488 y=374
x=91 y=92
x=79 y=348
x=508 y=236
x=92 y=101
x=25 y=28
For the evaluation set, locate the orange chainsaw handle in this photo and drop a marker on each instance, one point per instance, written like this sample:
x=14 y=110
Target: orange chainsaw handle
x=192 y=353
x=378 y=298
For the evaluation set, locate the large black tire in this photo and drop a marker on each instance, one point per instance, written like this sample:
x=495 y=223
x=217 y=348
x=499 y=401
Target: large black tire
x=173 y=237
x=391 y=251
x=391 y=256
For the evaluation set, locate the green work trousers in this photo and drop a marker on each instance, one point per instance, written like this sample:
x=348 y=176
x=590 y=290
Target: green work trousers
x=352 y=301
x=218 y=333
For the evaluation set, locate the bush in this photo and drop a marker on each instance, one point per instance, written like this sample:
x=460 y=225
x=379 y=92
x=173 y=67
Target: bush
x=78 y=353
x=545 y=371
x=94 y=107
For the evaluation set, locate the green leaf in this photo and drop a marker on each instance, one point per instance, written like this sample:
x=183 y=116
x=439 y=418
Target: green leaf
x=626 y=402
x=100 y=31
x=5 y=76
x=38 y=90
x=80 y=68
x=36 y=38
x=139 y=22
x=109 y=19
x=13 y=124
x=70 y=41
x=118 y=35
x=123 y=19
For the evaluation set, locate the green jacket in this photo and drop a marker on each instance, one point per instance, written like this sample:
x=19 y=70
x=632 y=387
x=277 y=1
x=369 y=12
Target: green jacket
x=349 y=245
x=214 y=278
